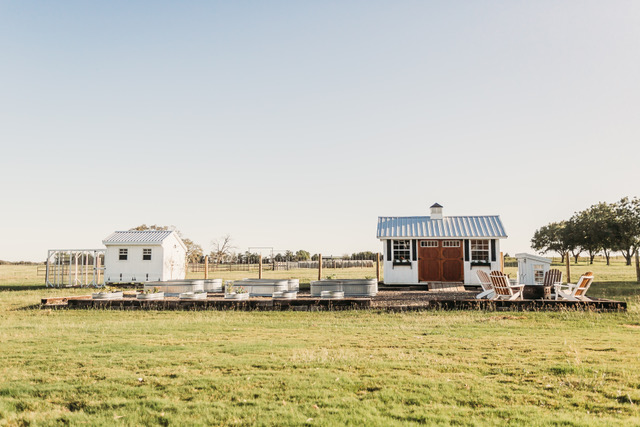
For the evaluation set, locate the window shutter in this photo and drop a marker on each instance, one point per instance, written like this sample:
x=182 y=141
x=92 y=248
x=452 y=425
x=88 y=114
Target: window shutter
x=493 y=249
x=414 y=245
x=388 y=250
x=466 y=250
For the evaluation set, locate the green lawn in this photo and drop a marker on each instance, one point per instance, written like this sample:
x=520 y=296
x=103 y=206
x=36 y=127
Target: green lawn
x=319 y=368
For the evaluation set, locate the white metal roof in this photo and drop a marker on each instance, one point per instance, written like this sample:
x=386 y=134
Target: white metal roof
x=136 y=237
x=447 y=227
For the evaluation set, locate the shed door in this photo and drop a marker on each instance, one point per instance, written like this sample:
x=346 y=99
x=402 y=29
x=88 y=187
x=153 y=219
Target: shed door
x=440 y=261
x=452 y=265
x=429 y=261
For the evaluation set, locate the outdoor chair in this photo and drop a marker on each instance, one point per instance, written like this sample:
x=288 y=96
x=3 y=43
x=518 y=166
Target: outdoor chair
x=552 y=277
x=575 y=292
x=485 y=282
x=503 y=289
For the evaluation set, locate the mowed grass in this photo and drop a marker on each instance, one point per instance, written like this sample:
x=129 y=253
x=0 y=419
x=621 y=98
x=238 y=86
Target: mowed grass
x=317 y=368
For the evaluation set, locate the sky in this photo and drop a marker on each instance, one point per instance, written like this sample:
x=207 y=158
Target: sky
x=294 y=125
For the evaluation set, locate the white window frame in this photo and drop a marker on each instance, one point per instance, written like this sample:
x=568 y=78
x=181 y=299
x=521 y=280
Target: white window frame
x=123 y=252
x=146 y=252
x=401 y=251
x=428 y=243
x=480 y=251
x=451 y=243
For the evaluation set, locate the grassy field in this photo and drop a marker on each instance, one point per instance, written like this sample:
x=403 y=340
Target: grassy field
x=292 y=368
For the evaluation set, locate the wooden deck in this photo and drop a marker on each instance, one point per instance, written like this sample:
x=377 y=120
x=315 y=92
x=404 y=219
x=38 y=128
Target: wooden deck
x=386 y=301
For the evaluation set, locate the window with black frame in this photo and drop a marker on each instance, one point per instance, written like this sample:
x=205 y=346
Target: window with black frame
x=401 y=252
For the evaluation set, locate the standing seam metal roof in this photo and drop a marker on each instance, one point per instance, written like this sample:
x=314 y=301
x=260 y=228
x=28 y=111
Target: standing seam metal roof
x=447 y=227
x=137 y=237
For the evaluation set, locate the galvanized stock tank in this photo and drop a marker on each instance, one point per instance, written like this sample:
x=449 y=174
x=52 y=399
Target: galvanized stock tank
x=173 y=288
x=263 y=287
x=212 y=285
x=350 y=287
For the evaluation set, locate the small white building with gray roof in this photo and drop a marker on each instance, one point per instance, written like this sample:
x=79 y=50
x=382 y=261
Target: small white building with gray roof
x=437 y=248
x=141 y=256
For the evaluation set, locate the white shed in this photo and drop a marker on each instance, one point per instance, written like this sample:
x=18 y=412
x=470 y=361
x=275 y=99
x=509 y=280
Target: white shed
x=141 y=256
x=437 y=248
x=532 y=268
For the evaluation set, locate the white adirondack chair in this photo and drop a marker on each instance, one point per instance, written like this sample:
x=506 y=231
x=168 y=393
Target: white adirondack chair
x=487 y=287
x=503 y=289
x=575 y=292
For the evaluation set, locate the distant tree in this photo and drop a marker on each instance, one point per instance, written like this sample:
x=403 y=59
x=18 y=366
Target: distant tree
x=302 y=255
x=627 y=227
x=596 y=227
x=551 y=238
x=222 y=249
x=289 y=256
x=314 y=257
x=194 y=251
x=572 y=236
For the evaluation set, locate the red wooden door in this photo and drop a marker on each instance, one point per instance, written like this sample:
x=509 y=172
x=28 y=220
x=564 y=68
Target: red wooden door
x=452 y=265
x=440 y=261
x=429 y=261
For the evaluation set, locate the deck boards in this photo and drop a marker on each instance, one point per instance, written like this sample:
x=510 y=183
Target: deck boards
x=307 y=303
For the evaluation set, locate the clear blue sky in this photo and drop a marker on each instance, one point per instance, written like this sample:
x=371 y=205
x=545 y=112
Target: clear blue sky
x=296 y=124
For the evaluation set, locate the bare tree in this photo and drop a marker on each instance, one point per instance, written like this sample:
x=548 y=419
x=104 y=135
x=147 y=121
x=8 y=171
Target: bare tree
x=222 y=249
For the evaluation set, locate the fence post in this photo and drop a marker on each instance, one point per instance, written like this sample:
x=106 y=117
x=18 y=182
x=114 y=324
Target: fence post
x=502 y=262
x=260 y=268
x=637 y=265
x=568 y=268
x=319 y=266
x=206 y=267
x=378 y=266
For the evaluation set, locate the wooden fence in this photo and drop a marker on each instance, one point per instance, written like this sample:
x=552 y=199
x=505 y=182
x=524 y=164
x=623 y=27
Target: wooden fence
x=283 y=266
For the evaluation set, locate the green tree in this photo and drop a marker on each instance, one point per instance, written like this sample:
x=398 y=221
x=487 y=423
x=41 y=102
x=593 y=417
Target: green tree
x=596 y=226
x=302 y=255
x=551 y=238
x=626 y=230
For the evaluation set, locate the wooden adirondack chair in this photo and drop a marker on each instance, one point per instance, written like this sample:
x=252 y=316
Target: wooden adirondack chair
x=575 y=292
x=487 y=287
x=552 y=278
x=503 y=289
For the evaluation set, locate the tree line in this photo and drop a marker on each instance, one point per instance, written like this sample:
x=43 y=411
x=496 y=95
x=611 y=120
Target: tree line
x=224 y=252
x=602 y=228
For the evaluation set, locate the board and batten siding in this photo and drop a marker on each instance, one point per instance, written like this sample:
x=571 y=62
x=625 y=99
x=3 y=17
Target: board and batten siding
x=168 y=262
x=408 y=274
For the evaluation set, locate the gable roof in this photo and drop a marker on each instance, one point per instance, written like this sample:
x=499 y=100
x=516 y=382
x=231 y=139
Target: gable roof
x=447 y=227
x=137 y=237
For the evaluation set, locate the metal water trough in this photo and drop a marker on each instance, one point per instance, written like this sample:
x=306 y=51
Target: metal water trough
x=285 y=295
x=351 y=288
x=212 y=285
x=263 y=287
x=149 y=297
x=332 y=295
x=173 y=288
x=193 y=295
x=107 y=295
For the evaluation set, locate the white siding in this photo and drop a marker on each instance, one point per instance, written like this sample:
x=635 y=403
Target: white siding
x=168 y=262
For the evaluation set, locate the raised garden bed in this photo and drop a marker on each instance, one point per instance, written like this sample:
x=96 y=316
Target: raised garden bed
x=351 y=288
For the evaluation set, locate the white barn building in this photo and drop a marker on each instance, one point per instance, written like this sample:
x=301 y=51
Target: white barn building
x=437 y=248
x=141 y=256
